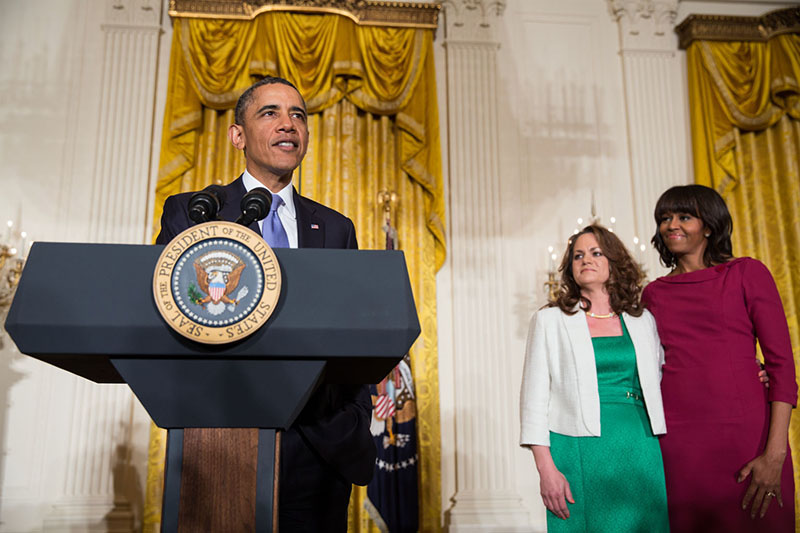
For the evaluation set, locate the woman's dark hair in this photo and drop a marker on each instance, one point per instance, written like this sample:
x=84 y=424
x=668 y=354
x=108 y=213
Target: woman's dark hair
x=624 y=283
x=706 y=204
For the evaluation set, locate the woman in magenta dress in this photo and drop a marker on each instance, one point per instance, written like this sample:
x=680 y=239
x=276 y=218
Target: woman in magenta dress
x=726 y=455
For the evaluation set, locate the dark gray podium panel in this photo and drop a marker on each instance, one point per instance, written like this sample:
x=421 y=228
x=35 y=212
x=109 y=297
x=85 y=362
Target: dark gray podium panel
x=78 y=306
x=221 y=393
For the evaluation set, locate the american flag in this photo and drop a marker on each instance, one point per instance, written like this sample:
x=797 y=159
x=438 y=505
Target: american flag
x=384 y=406
x=392 y=493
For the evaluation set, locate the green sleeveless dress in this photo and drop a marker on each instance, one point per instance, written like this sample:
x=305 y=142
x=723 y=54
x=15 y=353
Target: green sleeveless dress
x=617 y=479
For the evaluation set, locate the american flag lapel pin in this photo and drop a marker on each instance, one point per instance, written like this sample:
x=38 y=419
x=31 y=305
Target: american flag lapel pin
x=314 y=226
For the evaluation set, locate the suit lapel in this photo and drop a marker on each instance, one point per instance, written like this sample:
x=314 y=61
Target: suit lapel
x=231 y=209
x=310 y=228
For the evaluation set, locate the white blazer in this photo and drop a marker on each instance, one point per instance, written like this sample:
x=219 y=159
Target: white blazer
x=559 y=382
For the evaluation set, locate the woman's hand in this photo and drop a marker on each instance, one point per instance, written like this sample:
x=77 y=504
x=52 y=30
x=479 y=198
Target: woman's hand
x=555 y=491
x=553 y=484
x=765 y=483
x=763 y=377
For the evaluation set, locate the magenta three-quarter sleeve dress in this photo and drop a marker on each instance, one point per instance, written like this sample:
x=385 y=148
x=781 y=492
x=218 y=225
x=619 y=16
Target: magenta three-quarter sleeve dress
x=717 y=410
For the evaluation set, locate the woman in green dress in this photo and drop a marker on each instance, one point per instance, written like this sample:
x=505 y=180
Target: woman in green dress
x=591 y=402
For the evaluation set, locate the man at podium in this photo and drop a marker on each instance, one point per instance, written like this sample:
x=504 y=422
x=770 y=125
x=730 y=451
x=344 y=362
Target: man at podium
x=329 y=447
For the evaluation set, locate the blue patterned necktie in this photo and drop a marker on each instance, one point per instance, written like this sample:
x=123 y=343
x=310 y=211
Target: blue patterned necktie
x=272 y=229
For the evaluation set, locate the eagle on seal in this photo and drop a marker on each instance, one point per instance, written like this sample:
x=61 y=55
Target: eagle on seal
x=215 y=284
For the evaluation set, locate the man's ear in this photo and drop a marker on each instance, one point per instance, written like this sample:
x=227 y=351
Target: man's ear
x=236 y=136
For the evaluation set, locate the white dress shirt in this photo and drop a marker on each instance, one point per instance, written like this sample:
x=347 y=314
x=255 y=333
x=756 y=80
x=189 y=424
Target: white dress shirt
x=286 y=212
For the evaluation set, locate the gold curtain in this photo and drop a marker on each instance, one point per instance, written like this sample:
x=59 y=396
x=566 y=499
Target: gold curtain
x=373 y=121
x=745 y=111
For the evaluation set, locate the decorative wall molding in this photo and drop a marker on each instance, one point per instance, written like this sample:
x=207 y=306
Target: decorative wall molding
x=119 y=188
x=635 y=11
x=655 y=106
x=657 y=121
x=95 y=494
x=730 y=28
x=485 y=496
x=472 y=20
x=133 y=12
x=364 y=12
x=645 y=24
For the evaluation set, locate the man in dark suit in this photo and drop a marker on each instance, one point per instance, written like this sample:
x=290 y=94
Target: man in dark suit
x=329 y=447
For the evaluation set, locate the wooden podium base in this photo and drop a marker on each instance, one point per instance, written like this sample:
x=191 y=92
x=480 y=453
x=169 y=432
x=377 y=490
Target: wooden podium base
x=220 y=479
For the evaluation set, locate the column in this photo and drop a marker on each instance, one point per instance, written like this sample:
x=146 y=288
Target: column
x=99 y=477
x=122 y=165
x=485 y=497
x=656 y=107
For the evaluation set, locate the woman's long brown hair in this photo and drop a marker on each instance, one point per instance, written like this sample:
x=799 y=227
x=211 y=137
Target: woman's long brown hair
x=625 y=278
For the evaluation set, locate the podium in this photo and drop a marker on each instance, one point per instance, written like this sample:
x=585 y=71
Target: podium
x=343 y=316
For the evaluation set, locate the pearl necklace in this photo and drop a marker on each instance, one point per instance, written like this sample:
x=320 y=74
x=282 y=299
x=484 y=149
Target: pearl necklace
x=612 y=314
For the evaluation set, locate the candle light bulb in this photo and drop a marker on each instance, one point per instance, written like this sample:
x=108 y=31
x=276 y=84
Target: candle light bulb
x=23 y=237
x=613 y=220
x=611 y=230
x=580 y=221
x=636 y=240
x=7 y=236
x=550 y=249
x=642 y=247
x=13 y=251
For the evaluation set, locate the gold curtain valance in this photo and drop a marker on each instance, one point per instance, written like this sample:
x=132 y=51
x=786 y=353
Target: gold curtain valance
x=736 y=87
x=364 y=12
x=734 y=28
x=329 y=58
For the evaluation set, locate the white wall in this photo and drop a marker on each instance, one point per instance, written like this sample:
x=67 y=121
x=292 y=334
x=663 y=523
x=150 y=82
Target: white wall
x=584 y=98
x=78 y=105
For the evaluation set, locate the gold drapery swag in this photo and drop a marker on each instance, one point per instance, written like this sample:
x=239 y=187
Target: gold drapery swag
x=745 y=112
x=328 y=58
x=373 y=121
x=737 y=87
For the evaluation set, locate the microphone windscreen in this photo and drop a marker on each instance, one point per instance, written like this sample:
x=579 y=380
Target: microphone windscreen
x=219 y=192
x=256 y=203
x=204 y=205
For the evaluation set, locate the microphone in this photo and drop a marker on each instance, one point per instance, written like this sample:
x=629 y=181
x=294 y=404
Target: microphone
x=255 y=206
x=204 y=205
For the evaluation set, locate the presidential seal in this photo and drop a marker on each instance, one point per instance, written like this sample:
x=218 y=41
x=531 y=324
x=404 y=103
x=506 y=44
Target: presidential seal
x=216 y=282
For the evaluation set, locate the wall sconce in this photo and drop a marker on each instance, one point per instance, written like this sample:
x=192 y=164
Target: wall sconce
x=12 y=260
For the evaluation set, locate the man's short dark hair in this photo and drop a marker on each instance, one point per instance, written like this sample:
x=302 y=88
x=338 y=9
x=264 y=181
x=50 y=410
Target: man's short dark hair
x=247 y=96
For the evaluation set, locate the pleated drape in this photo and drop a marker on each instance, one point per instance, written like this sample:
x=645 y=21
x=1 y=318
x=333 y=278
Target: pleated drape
x=373 y=122
x=745 y=111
